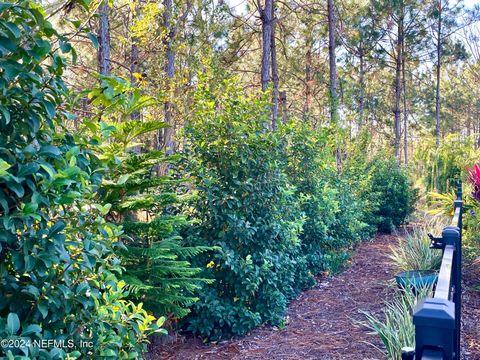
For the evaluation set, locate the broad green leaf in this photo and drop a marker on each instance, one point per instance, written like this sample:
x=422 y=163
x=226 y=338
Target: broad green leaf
x=56 y=228
x=13 y=323
x=5 y=113
x=123 y=179
x=31 y=329
x=28 y=169
x=43 y=308
x=14 y=30
x=49 y=150
x=7 y=45
x=4 y=166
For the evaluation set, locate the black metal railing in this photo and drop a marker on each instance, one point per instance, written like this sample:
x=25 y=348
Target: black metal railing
x=437 y=319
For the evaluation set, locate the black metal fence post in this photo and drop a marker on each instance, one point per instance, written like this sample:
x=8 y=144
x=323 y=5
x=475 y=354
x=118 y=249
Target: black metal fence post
x=434 y=322
x=408 y=353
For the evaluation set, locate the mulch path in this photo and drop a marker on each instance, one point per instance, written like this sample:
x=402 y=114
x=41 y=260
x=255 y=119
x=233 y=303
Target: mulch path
x=323 y=322
x=471 y=312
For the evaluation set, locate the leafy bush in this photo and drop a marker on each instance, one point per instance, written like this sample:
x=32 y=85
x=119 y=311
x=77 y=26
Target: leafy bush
x=333 y=217
x=391 y=191
x=57 y=267
x=247 y=207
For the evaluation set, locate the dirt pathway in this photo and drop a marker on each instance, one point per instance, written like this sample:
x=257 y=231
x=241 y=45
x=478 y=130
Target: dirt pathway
x=322 y=322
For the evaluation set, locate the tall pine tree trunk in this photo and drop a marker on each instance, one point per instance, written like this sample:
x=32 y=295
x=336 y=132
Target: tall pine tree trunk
x=308 y=79
x=170 y=73
x=397 y=85
x=361 y=100
x=405 y=109
x=283 y=104
x=134 y=53
x=266 y=17
x=438 y=69
x=332 y=61
x=104 y=39
x=275 y=80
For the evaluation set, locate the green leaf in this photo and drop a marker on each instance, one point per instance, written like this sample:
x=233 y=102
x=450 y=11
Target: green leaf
x=104 y=210
x=13 y=323
x=76 y=23
x=108 y=352
x=50 y=108
x=43 y=308
x=49 y=150
x=16 y=188
x=93 y=39
x=75 y=354
x=31 y=329
x=123 y=179
x=28 y=169
x=14 y=30
x=42 y=48
x=49 y=169
x=56 y=228
x=4 y=166
x=7 y=44
x=6 y=114
x=30 y=208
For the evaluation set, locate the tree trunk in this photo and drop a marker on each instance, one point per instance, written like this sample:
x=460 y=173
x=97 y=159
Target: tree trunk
x=104 y=39
x=361 y=102
x=332 y=61
x=438 y=69
x=275 y=80
x=308 y=80
x=266 y=17
x=398 y=87
x=405 y=109
x=283 y=104
x=170 y=73
x=469 y=121
x=134 y=59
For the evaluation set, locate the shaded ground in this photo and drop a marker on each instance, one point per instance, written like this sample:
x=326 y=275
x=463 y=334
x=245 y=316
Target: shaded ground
x=322 y=322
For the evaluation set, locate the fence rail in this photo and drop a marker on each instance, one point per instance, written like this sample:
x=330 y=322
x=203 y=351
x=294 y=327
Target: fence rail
x=437 y=320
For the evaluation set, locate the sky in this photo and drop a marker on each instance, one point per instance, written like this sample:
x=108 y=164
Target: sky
x=471 y=3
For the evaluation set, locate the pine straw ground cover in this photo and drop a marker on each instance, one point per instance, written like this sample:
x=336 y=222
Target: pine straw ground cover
x=322 y=322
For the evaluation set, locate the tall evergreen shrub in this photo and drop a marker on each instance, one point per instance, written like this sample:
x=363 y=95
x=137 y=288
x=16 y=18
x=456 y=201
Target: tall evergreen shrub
x=247 y=207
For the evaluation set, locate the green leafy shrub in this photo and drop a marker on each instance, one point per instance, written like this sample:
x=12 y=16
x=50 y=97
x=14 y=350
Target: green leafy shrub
x=333 y=217
x=57 y=267
x=391 y=191
x=245 y=206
